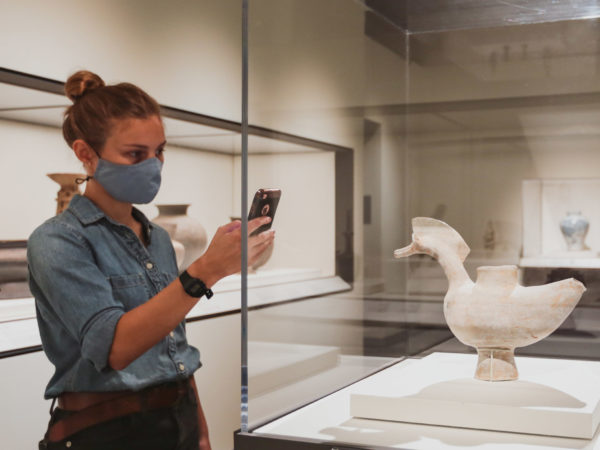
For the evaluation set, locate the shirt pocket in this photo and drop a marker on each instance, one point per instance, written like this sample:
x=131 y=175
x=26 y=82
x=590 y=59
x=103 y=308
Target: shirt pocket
x=167 y=278
x=131 y=290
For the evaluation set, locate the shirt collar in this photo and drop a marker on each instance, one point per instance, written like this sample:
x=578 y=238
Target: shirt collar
x=146 y=224
x=87 y=212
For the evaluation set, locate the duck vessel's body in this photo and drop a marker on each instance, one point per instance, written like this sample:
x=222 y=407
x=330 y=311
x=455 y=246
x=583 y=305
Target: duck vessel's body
x=495 y=314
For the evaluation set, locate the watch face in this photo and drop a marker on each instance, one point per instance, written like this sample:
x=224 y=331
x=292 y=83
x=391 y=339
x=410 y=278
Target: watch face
x=197 y=289
x=194 y=286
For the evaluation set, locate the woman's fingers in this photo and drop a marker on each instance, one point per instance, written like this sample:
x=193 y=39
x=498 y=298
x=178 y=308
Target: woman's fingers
x=236 y=225
x=258 y=222
x=261 y=239
x=229 y=227
x=224 y=251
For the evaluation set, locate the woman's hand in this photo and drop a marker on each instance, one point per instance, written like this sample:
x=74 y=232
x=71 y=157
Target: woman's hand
x=144 y=326
x=224 y=253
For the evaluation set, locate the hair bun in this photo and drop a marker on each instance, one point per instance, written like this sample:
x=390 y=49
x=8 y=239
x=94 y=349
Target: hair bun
x=80 y=83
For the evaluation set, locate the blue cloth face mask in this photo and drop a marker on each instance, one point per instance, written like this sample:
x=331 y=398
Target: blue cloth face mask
x=130 y=183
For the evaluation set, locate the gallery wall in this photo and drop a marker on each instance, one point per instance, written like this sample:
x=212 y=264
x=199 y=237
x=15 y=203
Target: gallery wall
x=185 y=53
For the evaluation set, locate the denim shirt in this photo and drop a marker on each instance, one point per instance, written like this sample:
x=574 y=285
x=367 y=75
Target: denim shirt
x=87 y=270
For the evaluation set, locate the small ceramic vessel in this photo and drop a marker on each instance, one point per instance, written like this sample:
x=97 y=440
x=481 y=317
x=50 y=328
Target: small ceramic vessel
x=68 y=188
x=183 y=230
x=574 y=228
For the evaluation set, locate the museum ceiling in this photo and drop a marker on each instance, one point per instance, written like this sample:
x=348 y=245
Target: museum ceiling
x=425 y=16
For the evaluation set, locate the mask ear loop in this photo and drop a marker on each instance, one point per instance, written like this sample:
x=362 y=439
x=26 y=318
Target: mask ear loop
x=83 y=180
x=89 y=177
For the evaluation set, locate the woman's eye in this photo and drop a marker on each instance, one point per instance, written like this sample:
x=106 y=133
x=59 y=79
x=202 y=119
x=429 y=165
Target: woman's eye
x=135 y=155
x=160 y=151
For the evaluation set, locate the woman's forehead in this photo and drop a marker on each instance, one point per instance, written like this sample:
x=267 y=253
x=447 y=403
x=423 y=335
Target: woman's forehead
x=138 y=129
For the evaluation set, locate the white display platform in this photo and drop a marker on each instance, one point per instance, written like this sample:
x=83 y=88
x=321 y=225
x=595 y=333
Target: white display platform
x=553 y=397
x=268 y=405
x=272 y=364
x=17 y=309
x=329 y=420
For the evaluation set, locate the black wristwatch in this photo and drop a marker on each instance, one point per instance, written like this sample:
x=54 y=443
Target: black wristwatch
x=194 y=287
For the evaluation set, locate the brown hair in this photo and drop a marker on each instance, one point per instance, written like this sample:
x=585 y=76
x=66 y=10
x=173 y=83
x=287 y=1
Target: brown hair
x=96 y=105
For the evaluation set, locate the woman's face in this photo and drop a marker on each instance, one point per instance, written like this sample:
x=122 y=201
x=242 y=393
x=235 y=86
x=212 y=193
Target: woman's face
x=134 y=140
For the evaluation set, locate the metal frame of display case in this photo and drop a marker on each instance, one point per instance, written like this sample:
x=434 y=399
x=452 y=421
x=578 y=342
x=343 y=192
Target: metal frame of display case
x=26 y=80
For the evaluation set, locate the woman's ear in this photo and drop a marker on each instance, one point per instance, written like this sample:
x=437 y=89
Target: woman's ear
x=86 y=155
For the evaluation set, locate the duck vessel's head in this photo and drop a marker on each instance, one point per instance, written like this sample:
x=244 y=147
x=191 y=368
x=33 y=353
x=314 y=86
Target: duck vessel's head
x=434 y=238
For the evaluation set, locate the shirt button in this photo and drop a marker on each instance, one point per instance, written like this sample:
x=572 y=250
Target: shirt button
x=149 y=265
x=172 y=334
x=68 y=444
x=181 y=367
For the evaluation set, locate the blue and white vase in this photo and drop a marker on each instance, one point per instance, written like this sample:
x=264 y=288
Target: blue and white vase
x=574 y=228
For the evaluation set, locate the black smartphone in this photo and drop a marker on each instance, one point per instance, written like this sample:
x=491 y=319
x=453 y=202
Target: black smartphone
x=264 y=204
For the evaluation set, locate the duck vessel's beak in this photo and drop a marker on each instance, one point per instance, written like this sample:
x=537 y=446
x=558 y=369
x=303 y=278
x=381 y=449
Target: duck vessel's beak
x=411 y=249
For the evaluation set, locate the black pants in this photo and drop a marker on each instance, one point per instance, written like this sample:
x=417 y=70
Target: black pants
x=173 y=428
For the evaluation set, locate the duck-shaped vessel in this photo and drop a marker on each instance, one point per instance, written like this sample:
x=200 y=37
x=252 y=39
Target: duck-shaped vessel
x=495 y=314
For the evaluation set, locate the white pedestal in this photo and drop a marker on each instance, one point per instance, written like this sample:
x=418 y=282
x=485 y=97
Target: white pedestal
x=553 y=397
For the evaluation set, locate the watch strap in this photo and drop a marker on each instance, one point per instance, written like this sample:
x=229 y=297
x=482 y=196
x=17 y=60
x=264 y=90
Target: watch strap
x=194 y=287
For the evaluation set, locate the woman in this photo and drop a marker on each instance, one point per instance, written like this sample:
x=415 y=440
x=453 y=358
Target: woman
x=110 y=304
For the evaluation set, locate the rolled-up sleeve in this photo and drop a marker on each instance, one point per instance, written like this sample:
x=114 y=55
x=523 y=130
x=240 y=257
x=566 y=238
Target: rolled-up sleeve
x=63 y=268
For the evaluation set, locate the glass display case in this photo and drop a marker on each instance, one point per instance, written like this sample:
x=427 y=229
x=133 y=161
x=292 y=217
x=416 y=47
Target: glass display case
x=480 y=114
